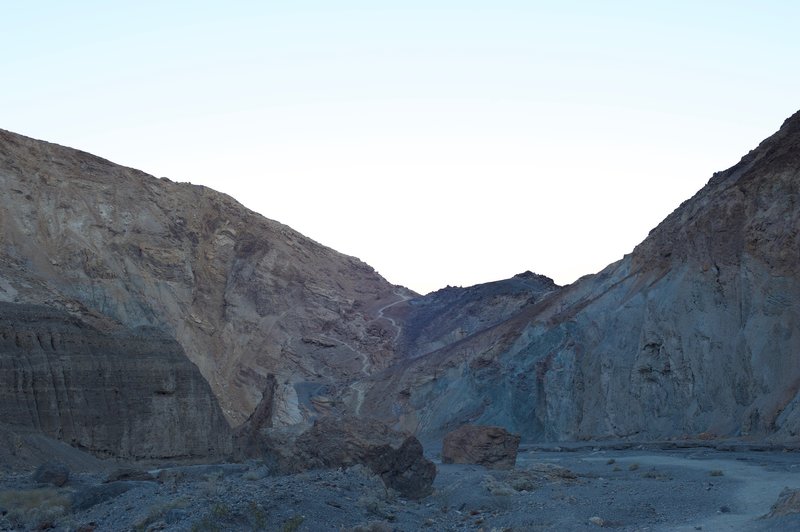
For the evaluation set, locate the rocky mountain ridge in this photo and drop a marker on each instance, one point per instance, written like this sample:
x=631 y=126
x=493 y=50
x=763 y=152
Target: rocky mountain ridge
x=695 y=333
x=243 y=295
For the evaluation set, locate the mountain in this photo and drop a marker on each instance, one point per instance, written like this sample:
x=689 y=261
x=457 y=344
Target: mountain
x=696 y=333
x=244 y=296
x=453 y=313
x=141 y=317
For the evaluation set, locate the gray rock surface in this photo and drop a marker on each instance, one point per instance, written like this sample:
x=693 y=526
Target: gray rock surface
x=124 y=393
x=25 y=448
x=85 y=498
x=788 y=503
x=129 y=473
x=492 y=447
x=246 y=435
x=53 y=473
x=668 y=491
x=453 y=313
x=694 y=334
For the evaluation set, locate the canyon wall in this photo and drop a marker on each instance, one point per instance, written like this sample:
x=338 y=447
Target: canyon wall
x=696 y=333
x=244 y=296
x=123 y=393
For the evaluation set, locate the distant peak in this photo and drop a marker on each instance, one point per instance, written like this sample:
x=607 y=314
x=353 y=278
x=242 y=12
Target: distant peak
x=777 y=153
x=529 y=275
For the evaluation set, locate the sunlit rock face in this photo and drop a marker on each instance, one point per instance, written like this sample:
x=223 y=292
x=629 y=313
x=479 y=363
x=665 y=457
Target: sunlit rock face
x=697 y=332
x=244 y=296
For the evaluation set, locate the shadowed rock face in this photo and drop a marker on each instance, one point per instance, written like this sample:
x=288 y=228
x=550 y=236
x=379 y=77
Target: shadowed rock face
x=244 y=296
x=452 y=314
x=128 y=394
x=697 y=331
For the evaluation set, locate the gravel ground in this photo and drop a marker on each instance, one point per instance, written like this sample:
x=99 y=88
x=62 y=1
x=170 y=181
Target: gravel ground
x=686 y=489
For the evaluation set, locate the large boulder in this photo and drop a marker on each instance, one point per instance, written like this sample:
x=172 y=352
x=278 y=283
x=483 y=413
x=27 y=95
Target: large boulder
x=492 y=447
x=334 y=442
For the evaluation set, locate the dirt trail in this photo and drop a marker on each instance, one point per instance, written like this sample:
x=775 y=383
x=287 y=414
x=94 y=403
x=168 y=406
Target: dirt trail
x=757 y=487
x=360 y=388
x=381 y=315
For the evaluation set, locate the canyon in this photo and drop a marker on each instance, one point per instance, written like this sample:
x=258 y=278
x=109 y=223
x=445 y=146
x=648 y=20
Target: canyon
x=695 y=334
x=155 y=295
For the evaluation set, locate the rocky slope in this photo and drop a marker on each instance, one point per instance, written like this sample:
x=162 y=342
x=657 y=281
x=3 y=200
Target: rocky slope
x=244 y=296
x=451 y=314
x=694 y=333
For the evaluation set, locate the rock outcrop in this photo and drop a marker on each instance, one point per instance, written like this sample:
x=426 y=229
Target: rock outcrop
x=695 y=332
x=247 y=435
x=788 y=503
x=244 y=296
x=334 y=442
x=492 y=447
x=123 y=393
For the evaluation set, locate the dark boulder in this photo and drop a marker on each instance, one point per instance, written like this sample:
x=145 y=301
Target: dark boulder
x=334 y=442
x=492 y=447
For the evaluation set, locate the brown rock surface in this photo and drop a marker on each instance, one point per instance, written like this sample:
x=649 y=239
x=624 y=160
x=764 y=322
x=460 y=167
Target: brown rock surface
x=334 y=442
x=243 y=295
x=492 y=447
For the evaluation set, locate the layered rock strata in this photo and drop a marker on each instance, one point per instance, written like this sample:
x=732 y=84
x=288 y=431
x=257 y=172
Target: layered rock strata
x=126 y=393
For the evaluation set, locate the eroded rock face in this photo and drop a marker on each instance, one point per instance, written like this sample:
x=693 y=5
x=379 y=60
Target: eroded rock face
x=696 y=332
x=243 y=295
x=492 y=447
x=246 y=435
x=788 y=503
x=334 y=442
x=124 y=393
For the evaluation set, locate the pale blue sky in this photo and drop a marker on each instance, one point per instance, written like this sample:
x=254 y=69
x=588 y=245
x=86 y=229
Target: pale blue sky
x=441 y=142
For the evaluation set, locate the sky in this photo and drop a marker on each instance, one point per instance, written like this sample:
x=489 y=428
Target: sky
x=442 y=142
